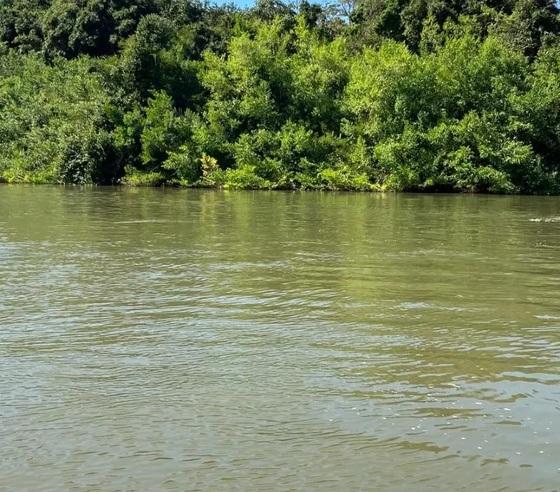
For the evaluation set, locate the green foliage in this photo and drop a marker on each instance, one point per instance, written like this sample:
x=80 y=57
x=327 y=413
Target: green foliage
x=344 y=178
x=245 y=178
x=184 y=164
x=136 y=177
x=524 y=24
x=20 y=24
x=53 y=123
x=156 y=57
x=540 y=107
x=391 y=95
x=446 y=120
x=162 y=130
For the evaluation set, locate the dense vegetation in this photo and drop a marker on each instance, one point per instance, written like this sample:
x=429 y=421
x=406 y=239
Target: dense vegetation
x=367 y=95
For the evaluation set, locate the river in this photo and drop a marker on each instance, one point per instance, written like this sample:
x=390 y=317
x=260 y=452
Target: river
x=178 y=340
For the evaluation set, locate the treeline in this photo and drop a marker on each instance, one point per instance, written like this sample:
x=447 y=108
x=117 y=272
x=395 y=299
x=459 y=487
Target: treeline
x=426 y=95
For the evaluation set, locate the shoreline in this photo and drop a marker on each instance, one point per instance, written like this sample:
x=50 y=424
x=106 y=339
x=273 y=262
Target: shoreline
x=126 y=186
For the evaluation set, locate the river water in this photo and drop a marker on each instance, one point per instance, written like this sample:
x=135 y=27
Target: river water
x=200 y=340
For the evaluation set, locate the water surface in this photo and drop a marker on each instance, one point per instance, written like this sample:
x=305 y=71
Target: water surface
x=199 y=340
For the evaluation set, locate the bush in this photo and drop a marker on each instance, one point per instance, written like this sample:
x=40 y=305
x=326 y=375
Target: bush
x=343 y=179
x=135 y=177
x=245 y=178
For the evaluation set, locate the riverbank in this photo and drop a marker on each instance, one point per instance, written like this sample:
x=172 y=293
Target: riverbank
x=157 y=182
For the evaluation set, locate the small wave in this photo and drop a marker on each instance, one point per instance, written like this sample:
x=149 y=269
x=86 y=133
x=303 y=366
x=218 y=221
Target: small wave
x=545 y=219
x=146 y=221
x=415 y=305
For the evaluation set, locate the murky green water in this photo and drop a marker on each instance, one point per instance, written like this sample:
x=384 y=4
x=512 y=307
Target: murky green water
x=198 y=340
